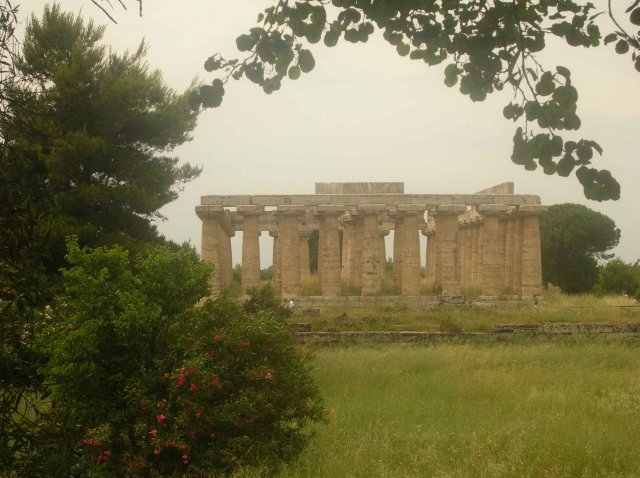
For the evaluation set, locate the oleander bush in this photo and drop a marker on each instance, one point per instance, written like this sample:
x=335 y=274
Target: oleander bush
x=144 y=383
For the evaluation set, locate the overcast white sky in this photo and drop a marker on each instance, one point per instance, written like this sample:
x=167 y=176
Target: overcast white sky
x=366 y=114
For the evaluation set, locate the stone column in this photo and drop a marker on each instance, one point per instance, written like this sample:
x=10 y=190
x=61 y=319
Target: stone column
x=411 y=215
x=352 y=230
x=509 y=246
x=516 y=274
x=492 y=278
x=476 y=251
x=329 y=249
x=276 y=268
x=371 y=279
x=398 y=246
x=430 y=232
x=215 y=246
x=250 y=245
x=289 y=243
x=531 y=261
x=464 y=228
x=305 y=267
x=383 y=251
x=446 y=218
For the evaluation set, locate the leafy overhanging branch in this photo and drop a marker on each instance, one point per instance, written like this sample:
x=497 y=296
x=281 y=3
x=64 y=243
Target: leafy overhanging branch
x=490 y=45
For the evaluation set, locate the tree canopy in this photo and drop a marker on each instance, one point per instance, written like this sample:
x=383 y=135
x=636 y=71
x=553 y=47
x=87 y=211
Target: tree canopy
x=90 y=152
x=487 y=45
x=573 y=237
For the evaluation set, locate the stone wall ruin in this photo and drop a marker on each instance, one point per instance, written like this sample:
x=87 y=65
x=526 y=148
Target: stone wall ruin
x=488 y=240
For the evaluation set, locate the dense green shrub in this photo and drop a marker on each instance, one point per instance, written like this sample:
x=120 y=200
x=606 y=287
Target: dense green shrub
x=265 y=299
x=145 y=384
x=618 y=277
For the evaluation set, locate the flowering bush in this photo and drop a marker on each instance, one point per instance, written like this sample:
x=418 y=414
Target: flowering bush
x=144 y=387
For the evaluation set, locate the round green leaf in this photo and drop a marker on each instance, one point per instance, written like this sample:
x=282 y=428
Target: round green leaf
x=306 y=61
x=622 y=47
x=294 y=72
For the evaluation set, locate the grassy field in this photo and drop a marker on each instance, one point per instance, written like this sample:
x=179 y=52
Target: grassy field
x=529 y=409
x=554 y=307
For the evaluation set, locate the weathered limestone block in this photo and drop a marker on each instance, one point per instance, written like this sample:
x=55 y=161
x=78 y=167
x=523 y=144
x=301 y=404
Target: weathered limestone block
x=250 y=245
x=446 y=217
x=329 y=249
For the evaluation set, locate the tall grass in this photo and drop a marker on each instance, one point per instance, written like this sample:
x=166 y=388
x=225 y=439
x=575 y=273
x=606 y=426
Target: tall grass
x=555 y=307
x=531 y=409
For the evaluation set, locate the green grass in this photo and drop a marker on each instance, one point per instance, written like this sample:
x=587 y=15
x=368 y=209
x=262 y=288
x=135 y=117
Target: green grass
x=555 y=307
x=529 y=409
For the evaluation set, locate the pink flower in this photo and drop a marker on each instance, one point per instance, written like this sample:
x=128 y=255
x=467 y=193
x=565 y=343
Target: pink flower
x=216 y=338
x=161 y=418
x=156 y=452
x=153 y=433
x=193 y=388
x=198 y=413
x=180 y=381
x=215 y=383
x=185 y=457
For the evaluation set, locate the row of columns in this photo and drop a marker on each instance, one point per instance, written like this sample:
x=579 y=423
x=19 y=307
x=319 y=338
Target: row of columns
x=495 y=247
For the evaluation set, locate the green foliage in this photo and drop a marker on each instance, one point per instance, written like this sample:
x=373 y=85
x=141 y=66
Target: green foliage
x=618 y=277
x=572 y=238
x=145 y=384
x=265 y=300
x=90 y=153
x=488 y=46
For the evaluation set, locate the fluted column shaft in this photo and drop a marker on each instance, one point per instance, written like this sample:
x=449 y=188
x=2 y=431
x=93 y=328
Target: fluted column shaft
x=305 y=266
x=276 y=268
x=398 y=246
x=370 y=272
x=216 y=245
x=250 y=246
x=289 y=242
x=492 y=264
x=447 y=227
x=329 y=249
x=531 y=260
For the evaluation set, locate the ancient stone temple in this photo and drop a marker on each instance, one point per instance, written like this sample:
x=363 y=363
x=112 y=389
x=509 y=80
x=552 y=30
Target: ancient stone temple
x=488 y=240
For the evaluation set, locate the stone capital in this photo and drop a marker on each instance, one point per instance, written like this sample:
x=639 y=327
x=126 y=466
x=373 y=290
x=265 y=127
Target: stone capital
x=410 y=209
x=371 y=209
x=531 y=209
x=291 y=209
x=444 y=209
x=493 y=209
x=249 y=210
x=209 y=212
x=330 y=209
